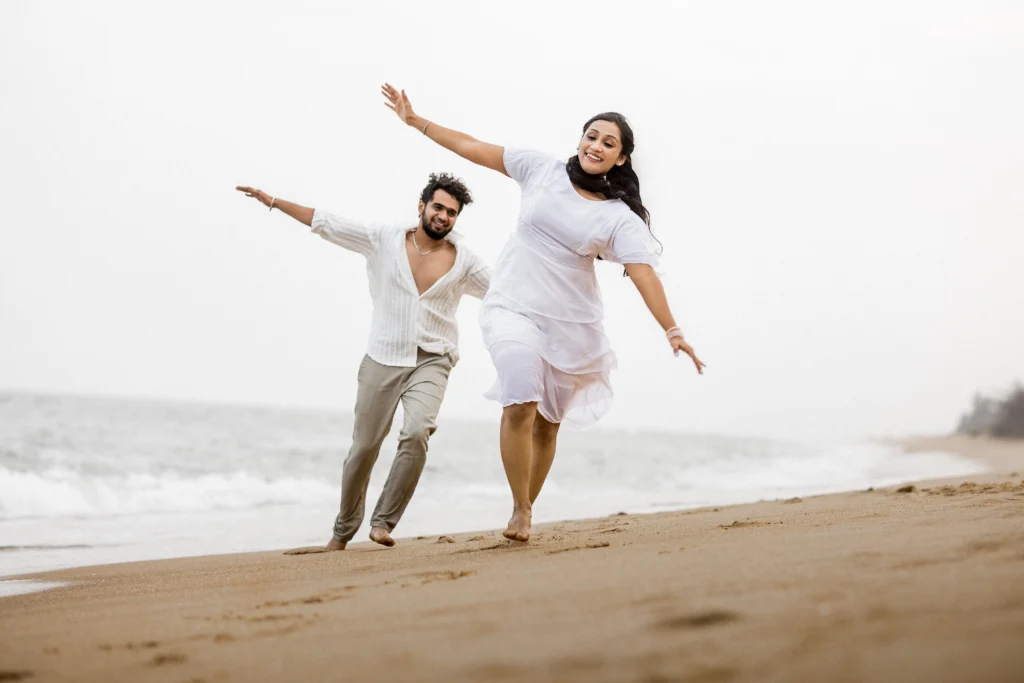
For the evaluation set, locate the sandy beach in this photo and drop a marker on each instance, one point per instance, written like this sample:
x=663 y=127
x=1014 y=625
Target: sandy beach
x=875 y=585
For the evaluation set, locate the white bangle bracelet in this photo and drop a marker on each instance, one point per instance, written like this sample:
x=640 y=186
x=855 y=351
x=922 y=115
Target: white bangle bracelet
x=272 y=200
x=674 y=332
x=424 y=131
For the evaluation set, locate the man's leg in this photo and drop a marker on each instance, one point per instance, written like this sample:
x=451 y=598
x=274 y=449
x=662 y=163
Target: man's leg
x=421 y=402
x=380 y=388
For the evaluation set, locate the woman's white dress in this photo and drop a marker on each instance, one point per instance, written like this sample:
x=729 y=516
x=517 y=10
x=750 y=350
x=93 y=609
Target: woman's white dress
x=542 y=315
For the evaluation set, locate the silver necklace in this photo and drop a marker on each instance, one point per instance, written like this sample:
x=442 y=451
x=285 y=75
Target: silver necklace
x=423 y=253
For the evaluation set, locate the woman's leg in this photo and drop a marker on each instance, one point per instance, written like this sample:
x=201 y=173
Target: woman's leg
x=521 y=377
x=517 y=423
x=545 y=435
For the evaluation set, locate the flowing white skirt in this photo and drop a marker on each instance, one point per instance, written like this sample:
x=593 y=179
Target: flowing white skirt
x=564 y=366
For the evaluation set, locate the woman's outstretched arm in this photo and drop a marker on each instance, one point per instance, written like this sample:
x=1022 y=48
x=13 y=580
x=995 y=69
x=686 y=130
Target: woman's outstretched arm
x=466 y=146
x=653 y=293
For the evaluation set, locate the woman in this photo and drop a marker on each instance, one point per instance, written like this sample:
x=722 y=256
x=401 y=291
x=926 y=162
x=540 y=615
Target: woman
x=541 y=317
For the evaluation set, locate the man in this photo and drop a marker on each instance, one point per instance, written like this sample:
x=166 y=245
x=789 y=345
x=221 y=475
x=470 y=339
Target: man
x=417 y=275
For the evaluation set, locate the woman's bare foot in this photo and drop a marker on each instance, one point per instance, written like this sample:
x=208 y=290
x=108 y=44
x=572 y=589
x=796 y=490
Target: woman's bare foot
x=379 y=534
x=519 y=526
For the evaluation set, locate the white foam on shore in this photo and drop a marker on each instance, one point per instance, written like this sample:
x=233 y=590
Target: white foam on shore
x=23 y=586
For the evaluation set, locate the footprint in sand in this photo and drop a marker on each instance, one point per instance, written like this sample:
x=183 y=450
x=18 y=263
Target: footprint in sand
x=699 y=620
x=971 y=487
x=311 y=600
x=146 y=645
x=743 y=525
x=15 y=675
x=308 y=550
x=271 y=617
x=171 y=658
x=602 y=544
x=431 y=577
x=985 y=546
x=493 y=546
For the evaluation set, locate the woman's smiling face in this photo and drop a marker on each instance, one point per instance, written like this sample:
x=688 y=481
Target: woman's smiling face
x=600 y=148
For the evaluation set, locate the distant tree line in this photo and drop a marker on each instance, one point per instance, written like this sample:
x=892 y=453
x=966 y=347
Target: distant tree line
x=1000 y=417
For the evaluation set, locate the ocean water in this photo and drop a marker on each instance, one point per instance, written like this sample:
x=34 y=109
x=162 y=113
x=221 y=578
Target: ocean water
x=93 y=480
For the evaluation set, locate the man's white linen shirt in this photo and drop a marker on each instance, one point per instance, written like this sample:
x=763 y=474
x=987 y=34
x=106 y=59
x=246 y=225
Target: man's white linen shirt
x=403 y=319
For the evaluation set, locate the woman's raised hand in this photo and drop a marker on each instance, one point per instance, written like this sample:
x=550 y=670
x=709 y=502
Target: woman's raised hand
x=397 y=102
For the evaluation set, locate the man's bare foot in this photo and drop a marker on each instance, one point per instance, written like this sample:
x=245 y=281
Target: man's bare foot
x=332 y=545
x=519 y=526
x=379 y=534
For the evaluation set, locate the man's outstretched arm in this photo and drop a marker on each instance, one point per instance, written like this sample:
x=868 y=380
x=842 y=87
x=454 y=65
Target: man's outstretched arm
x=351 y=235
x=302 y=214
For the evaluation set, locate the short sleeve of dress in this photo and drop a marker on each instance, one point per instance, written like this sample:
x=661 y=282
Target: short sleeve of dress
x=632 y=242
x=525 y=165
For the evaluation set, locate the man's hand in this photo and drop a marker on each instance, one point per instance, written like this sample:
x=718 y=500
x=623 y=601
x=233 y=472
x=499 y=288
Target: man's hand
x=262 y=196
x=302 y=214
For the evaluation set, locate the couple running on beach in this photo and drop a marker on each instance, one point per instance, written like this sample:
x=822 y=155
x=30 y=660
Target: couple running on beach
x=541 y=315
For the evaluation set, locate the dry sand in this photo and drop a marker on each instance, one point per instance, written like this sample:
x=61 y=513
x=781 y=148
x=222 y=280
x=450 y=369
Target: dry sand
x=865 y=586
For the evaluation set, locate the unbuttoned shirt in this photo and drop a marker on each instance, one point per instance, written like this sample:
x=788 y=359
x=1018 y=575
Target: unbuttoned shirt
x=403 y=319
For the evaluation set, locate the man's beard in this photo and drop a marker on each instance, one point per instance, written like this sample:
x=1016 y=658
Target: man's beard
x=429 y=230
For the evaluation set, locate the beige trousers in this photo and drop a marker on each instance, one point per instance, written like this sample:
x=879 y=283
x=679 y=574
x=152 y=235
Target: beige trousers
x=420 y=390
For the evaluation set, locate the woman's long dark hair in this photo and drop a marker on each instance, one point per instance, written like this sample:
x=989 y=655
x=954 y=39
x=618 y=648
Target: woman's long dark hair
x=621 y=182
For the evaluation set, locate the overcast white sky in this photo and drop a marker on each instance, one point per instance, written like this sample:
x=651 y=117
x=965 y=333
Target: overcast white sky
x=839 y=188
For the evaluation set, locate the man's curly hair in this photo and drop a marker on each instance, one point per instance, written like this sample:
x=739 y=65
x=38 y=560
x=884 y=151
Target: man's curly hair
x=450 y=184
